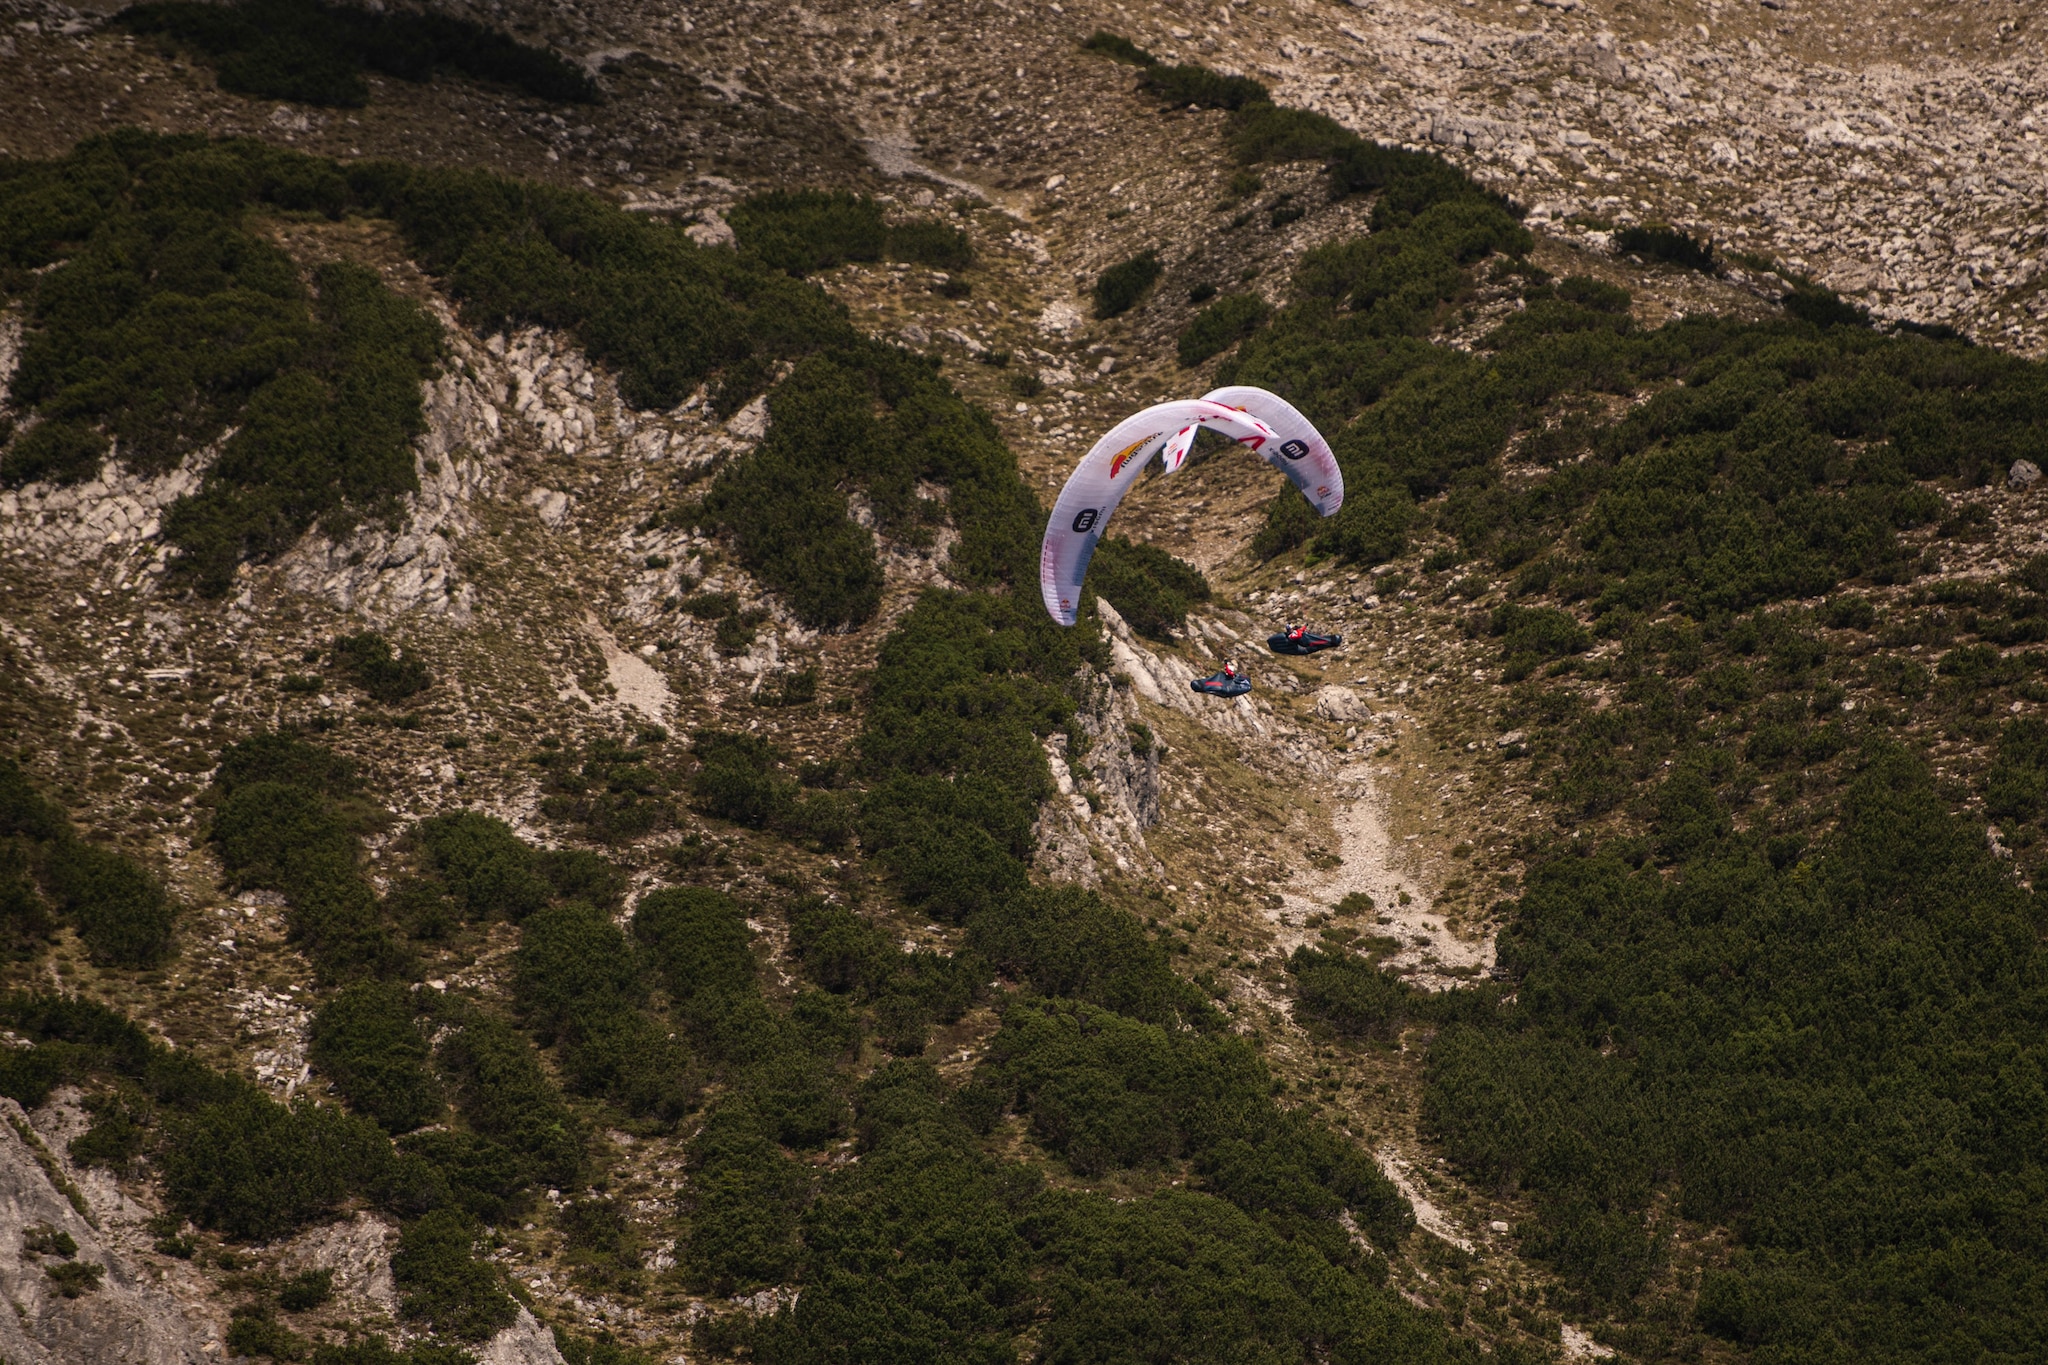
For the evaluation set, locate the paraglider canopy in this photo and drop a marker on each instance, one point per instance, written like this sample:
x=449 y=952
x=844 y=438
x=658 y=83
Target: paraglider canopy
x=1252 y=417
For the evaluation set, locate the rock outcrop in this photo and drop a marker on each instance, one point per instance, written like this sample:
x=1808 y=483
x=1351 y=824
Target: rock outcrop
x=128 y=1317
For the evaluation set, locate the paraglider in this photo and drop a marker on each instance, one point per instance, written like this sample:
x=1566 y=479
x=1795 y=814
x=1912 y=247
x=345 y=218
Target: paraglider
x=1301 y=640
x=1266 y=422
x=1224 y=682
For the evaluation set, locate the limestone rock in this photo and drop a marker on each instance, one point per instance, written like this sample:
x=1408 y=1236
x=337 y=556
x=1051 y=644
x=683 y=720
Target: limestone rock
x=1341 y=704
x=525 y=1342
x=128 y=1318
x=2023 y=474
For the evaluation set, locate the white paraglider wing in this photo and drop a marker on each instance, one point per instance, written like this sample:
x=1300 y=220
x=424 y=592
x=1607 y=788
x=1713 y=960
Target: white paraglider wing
x=1107 y=472
x=1264 y=421
x=1301 y=453
x=1176 y=453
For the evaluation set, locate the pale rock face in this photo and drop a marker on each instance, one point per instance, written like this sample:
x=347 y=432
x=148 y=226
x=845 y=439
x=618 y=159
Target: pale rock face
x=750 y=423
x=1059 y=318
x=1341 y=704
x=358 y=1251
x=525 y=1342
x=554 y=507
x=129 y=1318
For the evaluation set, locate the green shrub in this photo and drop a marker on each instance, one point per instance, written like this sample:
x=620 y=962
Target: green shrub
x=372 y=665
x=743 y=1202
x=1265 y=132
x=1824 y=308
x=123 y=913
x=296 y=840
x=443 y=1282
x=53 y=452
x=371 y=1350
x=253 y=1330
x=613 y=794
x=932 y=243
x=44 y=1239
x=119 y=1132
x=1149 y=588
x=738 y=781
x=579 y=875
x=368 y=1043
x=573 y=967
x=1537 y=632
x=1662 y=242
x=314 y=53
x=1589 y=292
x=577 y=983
x=1833 y=1242
x=701 y=945
x=1117 y=48
x=1349 y=994
x=465 y=1170
x=1220 y=326
x=168 y=324
x=75 y=1279
x=317 y=447
x=307 y=1289
x=1118 y=289
x=1182 y=85
x=277 y=757
x=803 y=231
x=252 y=1168
x=501 y=1090
x=490 y=870
x=878 y=418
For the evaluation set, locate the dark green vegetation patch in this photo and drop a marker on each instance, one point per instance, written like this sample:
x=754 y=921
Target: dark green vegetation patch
x=1150 y=589
x=167 y=321
x=1838 y=1057
x=315 y=53
x=801 y=231
x=1661 y=242
x=1118 y=289
x=122 y=912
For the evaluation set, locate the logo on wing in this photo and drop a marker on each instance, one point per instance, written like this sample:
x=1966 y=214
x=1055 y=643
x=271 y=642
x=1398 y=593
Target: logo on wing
x=1294 y=450
x=1123 y=457
x=1085 y=521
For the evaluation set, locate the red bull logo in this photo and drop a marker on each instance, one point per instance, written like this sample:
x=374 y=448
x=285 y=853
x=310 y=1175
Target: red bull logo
x=1123 y=457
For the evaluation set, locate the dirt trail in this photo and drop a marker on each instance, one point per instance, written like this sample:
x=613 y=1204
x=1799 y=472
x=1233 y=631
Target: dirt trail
x=1383 y=868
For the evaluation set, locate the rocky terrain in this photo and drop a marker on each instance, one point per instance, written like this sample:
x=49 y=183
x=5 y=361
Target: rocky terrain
x=1889 y=153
